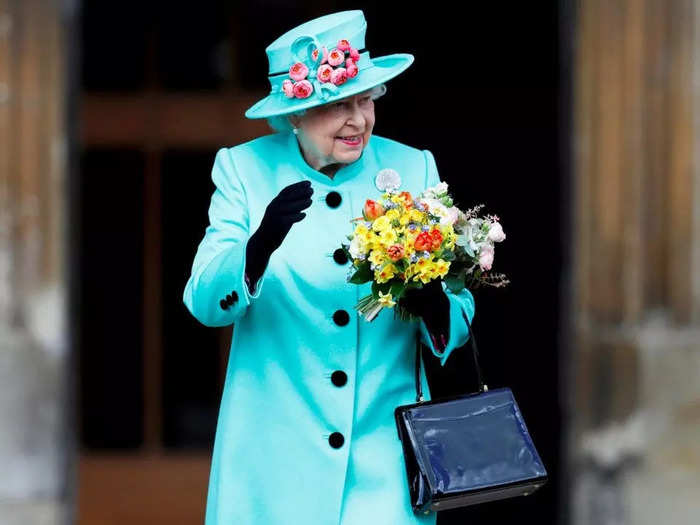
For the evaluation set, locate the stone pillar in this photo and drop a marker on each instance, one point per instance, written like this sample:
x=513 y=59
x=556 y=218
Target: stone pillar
x=36 y=432
x=632 y=384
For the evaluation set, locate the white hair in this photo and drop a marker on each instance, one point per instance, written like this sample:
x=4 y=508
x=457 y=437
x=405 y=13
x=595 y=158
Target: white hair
x=281 y=123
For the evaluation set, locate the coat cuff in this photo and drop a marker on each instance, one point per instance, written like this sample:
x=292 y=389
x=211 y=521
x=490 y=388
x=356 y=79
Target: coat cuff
x=221 y=295
x=459 y=332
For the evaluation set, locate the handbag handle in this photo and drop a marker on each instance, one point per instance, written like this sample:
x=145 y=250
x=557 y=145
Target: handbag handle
x=475 y=352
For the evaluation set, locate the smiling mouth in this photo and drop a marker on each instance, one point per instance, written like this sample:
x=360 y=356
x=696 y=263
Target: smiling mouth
x=352 y=139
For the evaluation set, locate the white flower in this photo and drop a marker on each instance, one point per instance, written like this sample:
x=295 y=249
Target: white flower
x=496 y=232
x=431 y=203
x=357 y=247
x=451 y=216
x=486 y=257
x=387 y=180
x=435 y=207
x=438 y=190
x=446 y=215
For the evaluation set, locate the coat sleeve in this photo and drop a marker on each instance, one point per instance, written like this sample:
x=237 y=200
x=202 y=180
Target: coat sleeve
x=219 y=264
x=460 y=302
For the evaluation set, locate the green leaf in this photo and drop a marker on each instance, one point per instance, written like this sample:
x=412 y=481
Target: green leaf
x=363 y=274
x=397 y=289
x=448 y=255
x=346 y=249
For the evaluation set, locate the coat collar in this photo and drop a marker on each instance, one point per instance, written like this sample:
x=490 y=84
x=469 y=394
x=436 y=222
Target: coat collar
x=345 y=173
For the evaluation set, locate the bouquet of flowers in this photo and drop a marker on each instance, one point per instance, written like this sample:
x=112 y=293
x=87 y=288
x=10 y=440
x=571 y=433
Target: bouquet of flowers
x=401 y=243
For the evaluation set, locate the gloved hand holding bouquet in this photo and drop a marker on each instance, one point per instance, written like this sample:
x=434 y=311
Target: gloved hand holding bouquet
x=406 y=247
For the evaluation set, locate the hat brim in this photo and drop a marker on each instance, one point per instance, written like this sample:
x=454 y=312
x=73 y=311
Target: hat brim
x=384 y=68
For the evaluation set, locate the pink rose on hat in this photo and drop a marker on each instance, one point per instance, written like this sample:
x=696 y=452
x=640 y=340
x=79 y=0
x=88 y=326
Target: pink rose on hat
x=324 y=73
x=314 y=55
x=288 y=88
x=303 y=89
x=339 y=76
x=336 y=57
x=351 y=68
x=336 y=67
x=298 y=71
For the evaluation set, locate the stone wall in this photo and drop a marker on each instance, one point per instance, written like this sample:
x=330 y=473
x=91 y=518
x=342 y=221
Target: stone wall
x=632 y=383
x=36 y=429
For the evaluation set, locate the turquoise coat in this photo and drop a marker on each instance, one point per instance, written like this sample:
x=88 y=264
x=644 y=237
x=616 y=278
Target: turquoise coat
x=306 y=431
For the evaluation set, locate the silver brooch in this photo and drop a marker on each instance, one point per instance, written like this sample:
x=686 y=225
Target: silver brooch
x=387 y=180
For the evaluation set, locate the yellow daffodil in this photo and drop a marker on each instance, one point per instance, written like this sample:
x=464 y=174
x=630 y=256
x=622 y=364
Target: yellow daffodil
x=442 y=267
x=381 y=223
x=409 y=271
x=425 y=278
x=361 y=229
x=422 y=263
x=386 y=300
x=377 y=257
x=387 y=237
x=385 y=274
x=368 y=236
x=393 y=214
x=416 y=215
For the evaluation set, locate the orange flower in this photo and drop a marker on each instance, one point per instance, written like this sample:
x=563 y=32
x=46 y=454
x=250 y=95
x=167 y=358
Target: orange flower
x=395 y=252
x=436 y=239
x=424 y=241
x=407 y=197
x=372 y=210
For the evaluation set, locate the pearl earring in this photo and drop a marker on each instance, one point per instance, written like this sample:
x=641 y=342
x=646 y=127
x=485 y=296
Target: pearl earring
x=296 y=131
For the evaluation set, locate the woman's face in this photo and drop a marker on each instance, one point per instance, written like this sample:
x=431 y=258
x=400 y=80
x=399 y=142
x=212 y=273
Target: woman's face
x=321 y=129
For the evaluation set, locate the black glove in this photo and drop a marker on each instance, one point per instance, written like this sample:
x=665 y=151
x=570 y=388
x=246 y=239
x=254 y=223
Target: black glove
x=282 y=211
x=432 y=304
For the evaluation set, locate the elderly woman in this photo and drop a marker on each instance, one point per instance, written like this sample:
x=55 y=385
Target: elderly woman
x=306 y=433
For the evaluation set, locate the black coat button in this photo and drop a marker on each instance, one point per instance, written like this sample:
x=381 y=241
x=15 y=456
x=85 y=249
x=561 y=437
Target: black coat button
x=340 y=256
x=339 y=378
x=333 y=199
x=341 y=317
x=234 y=295
x=336 y=440
x=229 y=300
x=223 y=304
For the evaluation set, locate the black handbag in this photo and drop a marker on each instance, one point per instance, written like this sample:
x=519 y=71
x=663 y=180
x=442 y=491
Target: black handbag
x=466 y=449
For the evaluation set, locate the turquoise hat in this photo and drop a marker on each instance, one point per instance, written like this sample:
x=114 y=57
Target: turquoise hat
x=301 y=77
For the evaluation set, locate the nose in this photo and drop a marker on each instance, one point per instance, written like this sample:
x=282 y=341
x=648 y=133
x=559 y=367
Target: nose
x=357 y=117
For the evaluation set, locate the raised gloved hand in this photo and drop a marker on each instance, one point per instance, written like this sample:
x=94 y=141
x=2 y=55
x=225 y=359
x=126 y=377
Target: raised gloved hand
x=282 y=211
x=432 y=304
